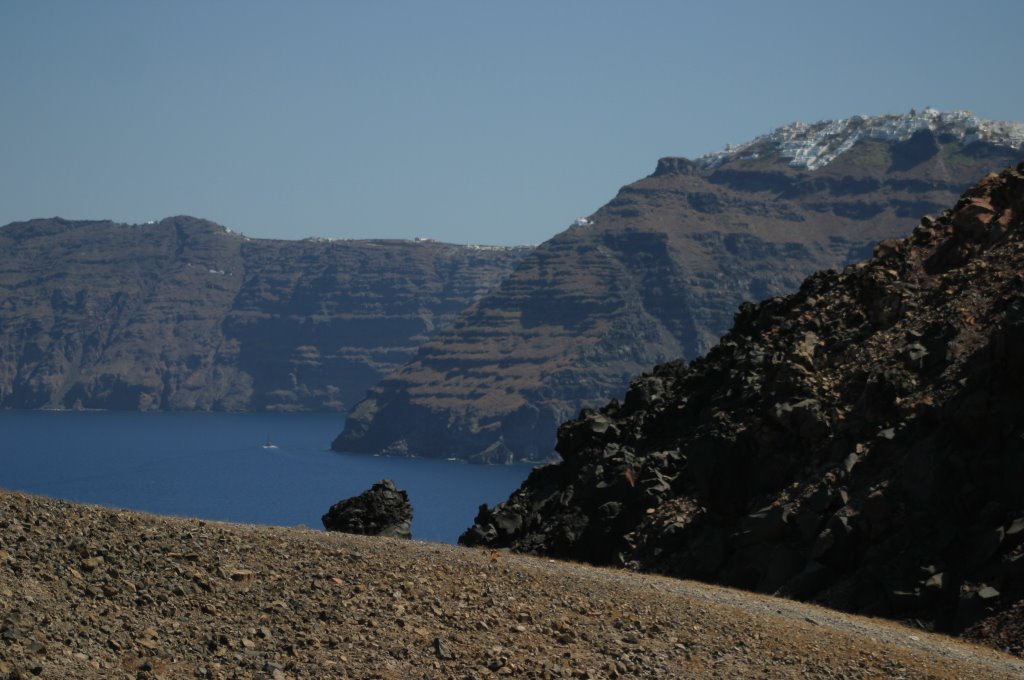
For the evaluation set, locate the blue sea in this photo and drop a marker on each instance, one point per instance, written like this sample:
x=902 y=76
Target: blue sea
x=215 y=466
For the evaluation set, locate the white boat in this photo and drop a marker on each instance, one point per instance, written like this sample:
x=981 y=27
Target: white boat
x=269 y=444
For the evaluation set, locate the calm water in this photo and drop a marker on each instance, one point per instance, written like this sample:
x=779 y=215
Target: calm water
x=214 y=466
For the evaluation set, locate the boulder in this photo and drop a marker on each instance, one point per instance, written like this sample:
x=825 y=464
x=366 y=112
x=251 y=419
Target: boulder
x=382 y=510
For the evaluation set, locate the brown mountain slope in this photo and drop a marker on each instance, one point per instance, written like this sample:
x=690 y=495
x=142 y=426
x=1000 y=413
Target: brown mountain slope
x=184 y=314
x=858 y=443
x=93 y=593
x=657 y=274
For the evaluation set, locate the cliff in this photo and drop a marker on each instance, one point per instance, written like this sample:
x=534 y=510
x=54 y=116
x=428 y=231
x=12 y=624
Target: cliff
x=185 y=314
x=857 y=443
x=657 y=273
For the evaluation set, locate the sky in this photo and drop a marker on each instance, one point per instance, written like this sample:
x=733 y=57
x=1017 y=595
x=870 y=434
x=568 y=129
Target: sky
x=468 y=122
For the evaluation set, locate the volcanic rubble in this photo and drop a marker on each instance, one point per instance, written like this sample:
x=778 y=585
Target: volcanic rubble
x=857 y=443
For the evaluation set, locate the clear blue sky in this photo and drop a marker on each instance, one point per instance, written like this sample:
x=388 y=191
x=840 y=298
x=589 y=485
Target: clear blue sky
x=470 y=121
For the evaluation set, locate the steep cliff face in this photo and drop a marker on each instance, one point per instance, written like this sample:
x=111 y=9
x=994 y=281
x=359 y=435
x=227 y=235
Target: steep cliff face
x=184 y=314
x=658 y=271
x=317 y=323
x=857 y=443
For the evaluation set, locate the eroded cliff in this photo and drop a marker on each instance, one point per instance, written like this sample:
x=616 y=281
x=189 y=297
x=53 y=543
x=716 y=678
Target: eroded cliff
x=185 y=314
x=658 y=272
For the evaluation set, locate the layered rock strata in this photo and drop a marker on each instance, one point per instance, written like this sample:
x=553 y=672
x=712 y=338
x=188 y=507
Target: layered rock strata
x=184 y=314
x=657 y=273
x=857 y=443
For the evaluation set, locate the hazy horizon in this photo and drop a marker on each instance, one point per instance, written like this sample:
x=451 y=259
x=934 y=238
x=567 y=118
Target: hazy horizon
x=457 y=121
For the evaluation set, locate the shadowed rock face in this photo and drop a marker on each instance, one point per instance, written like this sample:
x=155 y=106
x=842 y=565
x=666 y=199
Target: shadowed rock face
x=857 y=443
x=184 y=314
x=656 y=273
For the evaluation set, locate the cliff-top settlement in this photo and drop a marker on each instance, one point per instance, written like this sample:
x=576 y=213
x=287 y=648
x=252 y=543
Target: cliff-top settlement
x=658 y=272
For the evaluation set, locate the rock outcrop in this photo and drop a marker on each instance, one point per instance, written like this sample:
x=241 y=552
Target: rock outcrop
x=657 y=273
x=857 y=443
x=381 y=510
x=184 y=314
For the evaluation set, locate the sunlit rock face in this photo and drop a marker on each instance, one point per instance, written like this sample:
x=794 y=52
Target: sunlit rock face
x=658 y=272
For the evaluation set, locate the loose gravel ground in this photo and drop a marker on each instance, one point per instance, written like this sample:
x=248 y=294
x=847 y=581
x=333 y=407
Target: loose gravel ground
x=88 y=592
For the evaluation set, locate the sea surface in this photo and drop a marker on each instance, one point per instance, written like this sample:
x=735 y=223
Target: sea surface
x=215 y=466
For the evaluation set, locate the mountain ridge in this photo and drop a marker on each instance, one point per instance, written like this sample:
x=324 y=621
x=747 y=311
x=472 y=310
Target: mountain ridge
x=657 y=272
x=187 y=314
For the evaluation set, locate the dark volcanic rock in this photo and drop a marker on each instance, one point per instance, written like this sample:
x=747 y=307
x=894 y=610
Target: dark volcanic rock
x=657 y=273
x=382 y=510
x=857 y=443
x=184 y=314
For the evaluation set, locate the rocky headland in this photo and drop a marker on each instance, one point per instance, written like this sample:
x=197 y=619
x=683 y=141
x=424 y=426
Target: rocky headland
x=857 y=443
x=184 y=314
x=89 y=592
x=658 y=272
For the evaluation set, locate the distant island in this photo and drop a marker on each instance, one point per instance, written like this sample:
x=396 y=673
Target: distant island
x=471 y=352
x=184 y=314
x=658 y=272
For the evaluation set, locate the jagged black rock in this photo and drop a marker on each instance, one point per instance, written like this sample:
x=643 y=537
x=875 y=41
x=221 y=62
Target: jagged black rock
x=857 y=443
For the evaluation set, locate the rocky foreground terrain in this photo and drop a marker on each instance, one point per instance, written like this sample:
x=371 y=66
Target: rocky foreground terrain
x=658 y=272
x=858 y=443
x=87 y=592
x=184 y=314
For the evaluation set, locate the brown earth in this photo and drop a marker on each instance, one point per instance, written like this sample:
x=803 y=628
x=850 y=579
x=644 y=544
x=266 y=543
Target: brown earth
x=186 y=315
x=88 y=592
x=656 y=274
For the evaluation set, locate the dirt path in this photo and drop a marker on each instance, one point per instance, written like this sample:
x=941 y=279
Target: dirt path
x=88 y=592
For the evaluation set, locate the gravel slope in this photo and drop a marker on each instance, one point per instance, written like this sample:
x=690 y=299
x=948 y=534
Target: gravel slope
x=89 y=592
